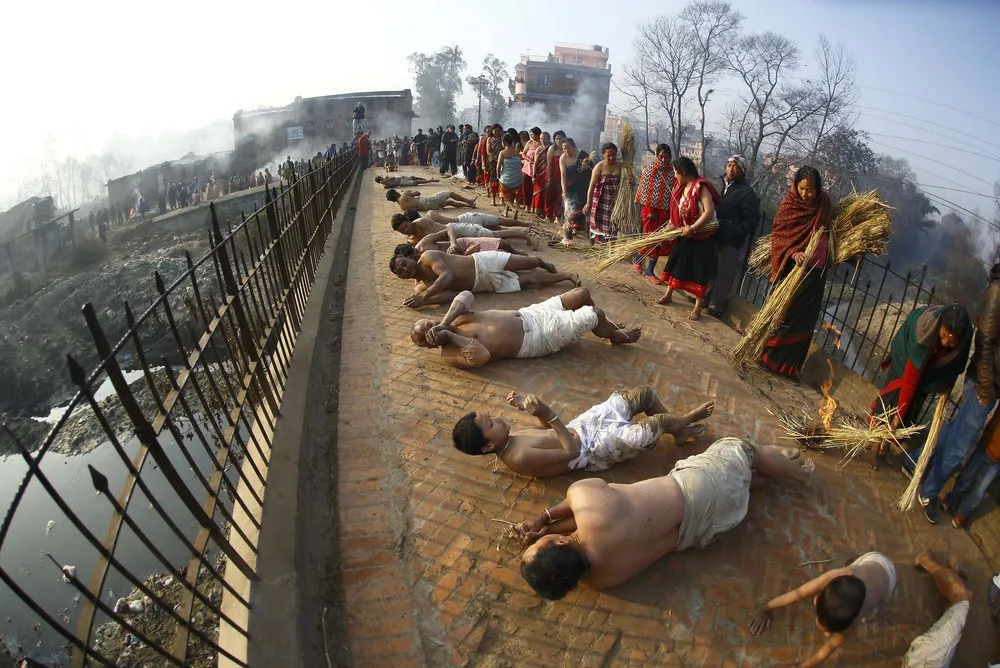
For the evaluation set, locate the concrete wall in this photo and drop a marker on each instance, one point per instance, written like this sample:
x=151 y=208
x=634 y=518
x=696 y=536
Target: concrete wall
x=198 y=217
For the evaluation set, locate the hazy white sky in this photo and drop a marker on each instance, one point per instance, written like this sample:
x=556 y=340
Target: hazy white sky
x=78 y=73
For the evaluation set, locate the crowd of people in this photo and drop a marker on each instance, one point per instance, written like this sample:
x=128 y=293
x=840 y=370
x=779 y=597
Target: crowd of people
x=602 y=535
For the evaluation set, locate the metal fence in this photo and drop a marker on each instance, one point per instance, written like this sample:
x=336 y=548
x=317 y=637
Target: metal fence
x=193 y=390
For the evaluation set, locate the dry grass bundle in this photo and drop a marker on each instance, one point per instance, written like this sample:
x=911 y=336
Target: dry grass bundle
x=853 y=436
x=772 y=313
x=910 y=495
x=624 y=219
x=626 y=248
x=861 y=224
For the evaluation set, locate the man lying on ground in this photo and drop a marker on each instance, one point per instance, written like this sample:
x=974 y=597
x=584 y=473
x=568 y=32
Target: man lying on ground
x=426 y=232
x=440 y=276
x=412 y=200
x=605 y=534
x=936 y=648
x=841 y=596
x=470 y=339
x=595 y=441
x=402 y=181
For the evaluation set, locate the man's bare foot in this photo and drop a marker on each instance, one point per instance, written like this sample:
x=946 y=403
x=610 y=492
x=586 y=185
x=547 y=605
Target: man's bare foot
x=683 y=435
x=574 y=278
x=695 y=315
x=547 y=266
x=623 y=336
x=665 y=299
x=703 y=412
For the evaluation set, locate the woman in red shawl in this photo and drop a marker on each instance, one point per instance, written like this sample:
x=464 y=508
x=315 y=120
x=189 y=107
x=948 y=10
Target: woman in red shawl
x=540 y=177
x=653 y=195
x=804 y=209
x=553 y=192
x=691 y=265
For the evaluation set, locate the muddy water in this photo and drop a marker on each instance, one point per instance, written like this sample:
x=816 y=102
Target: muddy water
x=30 y=537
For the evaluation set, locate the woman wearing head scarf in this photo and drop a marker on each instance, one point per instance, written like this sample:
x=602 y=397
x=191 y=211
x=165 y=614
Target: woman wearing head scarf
x=804 y=209
x=691 y=265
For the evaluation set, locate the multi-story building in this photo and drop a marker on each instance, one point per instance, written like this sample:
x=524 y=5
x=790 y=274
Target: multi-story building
x=568 y=90
x=310 y=124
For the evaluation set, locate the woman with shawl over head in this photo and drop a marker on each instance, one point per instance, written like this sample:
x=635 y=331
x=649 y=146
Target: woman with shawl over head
x=691 y=265
x=528 y=170
x=804 y=209
x=927 y=355
x=653 y=195
x=602 y=193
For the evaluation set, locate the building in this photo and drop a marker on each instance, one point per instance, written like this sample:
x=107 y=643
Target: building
x=569 y=89
x=153 y=181
x=310 y=124
x=643 y=147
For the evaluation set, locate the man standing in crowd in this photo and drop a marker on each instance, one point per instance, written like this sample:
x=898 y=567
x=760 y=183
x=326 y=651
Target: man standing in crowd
x=982 y=379
x=449 y=152
x=738 y=213
x=420 y=143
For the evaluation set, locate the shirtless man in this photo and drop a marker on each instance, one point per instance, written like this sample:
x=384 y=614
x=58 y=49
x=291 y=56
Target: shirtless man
x=440 y=276
x=470 y=339
x=433 y=228
x=595 y=441
x=412 y=200
x=403 y=181
x=937 y=646
x=605 y=534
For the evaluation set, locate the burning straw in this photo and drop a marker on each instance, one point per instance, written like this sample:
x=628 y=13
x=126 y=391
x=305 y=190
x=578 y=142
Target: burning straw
x=624 y=219
x=851 y=435
x=626 y=248
x=910 y=495
x=861 y=224
x=775 y=308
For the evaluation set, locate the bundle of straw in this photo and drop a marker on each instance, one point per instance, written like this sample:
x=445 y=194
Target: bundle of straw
x=910 y=495
x=626 y=248
x=861 y=224
x=851 y=435
x=772 y=314
x=624 y=219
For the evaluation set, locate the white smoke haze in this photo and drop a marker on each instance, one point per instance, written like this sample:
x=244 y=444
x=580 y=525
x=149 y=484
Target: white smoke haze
x=583 y=119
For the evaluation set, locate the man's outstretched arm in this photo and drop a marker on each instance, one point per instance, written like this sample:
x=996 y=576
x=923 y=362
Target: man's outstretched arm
x=831 y=645
x=762 y=619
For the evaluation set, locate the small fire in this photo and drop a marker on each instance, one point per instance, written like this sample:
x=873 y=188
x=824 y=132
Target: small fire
x=827 y=405
x=836 y=331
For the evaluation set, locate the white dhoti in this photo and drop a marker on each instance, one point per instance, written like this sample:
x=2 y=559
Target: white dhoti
x=463 y=230
x=549 y=327
x=431 y=202
x=607 y=434
x=936 y=648
x=479 y=218
x=491 y=275
x=716 y=490
x=886 y=564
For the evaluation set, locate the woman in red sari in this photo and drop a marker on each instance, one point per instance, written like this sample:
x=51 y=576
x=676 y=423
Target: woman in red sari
x=528 y=156
x=653 y=195
x=691 y=265
x=553 y=193
x=804 y=209
x=540 y=177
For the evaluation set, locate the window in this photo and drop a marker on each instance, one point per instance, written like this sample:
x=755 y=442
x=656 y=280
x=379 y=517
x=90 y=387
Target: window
x=330 y=124
x=543 y=79
x=329 y=106
x=569 y=75
x=310 y=127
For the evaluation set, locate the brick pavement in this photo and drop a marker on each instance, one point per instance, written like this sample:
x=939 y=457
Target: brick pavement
x=428 y=579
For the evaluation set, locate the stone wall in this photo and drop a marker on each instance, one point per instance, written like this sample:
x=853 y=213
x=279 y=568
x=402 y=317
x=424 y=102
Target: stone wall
x=198 y=217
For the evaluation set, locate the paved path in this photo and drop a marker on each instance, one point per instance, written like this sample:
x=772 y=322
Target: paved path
x=429 y=580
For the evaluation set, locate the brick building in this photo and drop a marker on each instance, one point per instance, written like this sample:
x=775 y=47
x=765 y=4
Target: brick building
x=310 y=124
x=571 y=87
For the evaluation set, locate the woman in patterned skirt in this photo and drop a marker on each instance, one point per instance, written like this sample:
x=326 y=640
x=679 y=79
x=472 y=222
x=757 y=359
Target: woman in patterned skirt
x=602 y=193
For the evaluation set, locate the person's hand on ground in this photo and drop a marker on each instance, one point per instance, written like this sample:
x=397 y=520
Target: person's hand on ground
x=413 y=301
x=799 y=258
x=531 y=530
x=760 y=621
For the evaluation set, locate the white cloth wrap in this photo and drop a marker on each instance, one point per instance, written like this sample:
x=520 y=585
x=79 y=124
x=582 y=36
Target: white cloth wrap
x=936 y=648
x=608 y=437
x=431 y=202
x=716 y=490
x=491 y=275
x=487 y=220
x=886 y=564
x=548 y=327
x=463 y=230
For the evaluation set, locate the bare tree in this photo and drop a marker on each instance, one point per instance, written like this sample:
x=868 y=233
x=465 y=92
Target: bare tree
x=712 y=24
x=666 y=45
x=836 y=90
x=636 y=84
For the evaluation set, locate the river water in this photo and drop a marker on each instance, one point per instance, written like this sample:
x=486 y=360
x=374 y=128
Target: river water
x=30 y=536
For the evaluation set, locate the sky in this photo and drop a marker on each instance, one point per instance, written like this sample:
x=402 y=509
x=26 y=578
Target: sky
x=80 y=75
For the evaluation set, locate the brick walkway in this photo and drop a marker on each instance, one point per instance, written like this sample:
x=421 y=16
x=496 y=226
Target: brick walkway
x=428 y=579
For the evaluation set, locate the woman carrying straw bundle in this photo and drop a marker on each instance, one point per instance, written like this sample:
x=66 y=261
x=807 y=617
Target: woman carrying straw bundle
x=804 y=209
x=691 y=265
x=927 y=355
x=604 y=183
x=655 y=185
x=509 y=169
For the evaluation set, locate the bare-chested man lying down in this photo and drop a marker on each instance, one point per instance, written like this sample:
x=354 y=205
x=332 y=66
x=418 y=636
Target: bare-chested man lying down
x=595 y=441
x=470 y=339
x=605 y=534
x=440 y=276
x=412 y=200
x=402 y=181
x=435 y=231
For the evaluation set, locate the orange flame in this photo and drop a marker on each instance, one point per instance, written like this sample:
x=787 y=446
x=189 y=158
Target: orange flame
x=836 y=331
x=827 y=405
